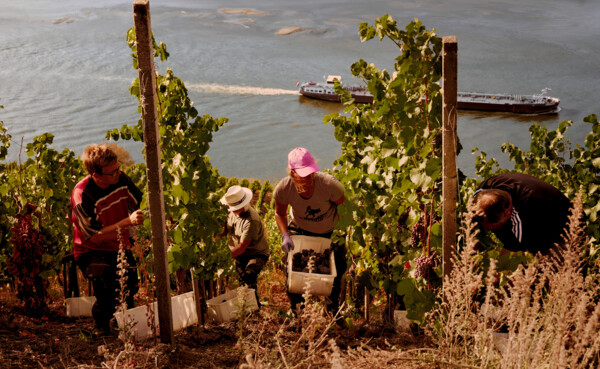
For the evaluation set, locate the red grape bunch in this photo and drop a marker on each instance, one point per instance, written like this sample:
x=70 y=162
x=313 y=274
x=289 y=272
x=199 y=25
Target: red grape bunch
x=424 y=267
x=321 y=264
x=417 y=237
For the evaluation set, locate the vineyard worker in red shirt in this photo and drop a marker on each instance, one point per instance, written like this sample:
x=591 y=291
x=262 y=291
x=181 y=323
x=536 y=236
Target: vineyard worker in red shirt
x=313 y=197
x=250 y=248
x=105 y=205
x=524 y=212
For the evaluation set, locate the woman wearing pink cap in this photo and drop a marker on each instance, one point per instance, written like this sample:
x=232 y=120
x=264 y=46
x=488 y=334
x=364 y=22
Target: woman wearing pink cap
x=313 y=197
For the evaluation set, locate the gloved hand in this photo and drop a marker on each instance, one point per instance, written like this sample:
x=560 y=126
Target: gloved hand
x=286 y=242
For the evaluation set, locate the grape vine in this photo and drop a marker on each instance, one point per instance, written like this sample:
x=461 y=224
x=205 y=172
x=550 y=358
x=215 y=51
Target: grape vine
x=45 y=181
x=190 y=182
x=390 y=162
x=25 y=263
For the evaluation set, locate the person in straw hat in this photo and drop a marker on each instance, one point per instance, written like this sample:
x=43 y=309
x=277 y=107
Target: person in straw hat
x=313 y=197
x=249 y=247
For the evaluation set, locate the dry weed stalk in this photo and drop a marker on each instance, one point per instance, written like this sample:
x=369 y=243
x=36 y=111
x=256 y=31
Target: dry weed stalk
x=314 y=320
x=130 y=355
x=252 y=363
x=457 y=322
x=256 y=352
x=126 y=359
x=142 y=247
x=243 y=313
x=310 y=346
x=308 y=349
x=365 y=357
x=126 y=334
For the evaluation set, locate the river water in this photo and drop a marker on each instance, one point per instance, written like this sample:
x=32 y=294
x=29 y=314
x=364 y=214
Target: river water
x=65 y=68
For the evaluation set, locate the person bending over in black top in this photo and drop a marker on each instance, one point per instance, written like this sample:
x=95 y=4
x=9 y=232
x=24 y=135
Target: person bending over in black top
x=524 y=212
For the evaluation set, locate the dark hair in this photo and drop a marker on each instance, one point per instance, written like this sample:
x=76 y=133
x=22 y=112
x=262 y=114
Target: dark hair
x=490 y=204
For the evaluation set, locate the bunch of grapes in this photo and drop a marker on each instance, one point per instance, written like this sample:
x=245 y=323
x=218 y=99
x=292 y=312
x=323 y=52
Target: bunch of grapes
x=297 y=263
x=402 y=221
x=300 y=261
x=25 y=262
x=424 y=267
x=437 y=142
x=417 y=237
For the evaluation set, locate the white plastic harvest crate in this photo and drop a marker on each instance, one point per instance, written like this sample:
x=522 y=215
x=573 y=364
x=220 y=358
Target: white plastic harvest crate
x=80 y=306
x=317 y=284
x=401 y=322
x=184 y=314
x=226 y=307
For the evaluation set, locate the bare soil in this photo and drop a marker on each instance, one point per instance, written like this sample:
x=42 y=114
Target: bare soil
x=58 y=341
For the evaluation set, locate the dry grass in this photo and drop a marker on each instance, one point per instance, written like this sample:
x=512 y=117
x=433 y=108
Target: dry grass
x=548 y=310
x=314 y=340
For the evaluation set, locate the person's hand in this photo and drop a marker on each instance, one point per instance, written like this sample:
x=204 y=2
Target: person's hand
x=286 y=242
x=137 y=217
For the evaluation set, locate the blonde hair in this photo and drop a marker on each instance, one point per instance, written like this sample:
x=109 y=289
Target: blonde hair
x=95 y=157
x=300 y=182
x=123 y=155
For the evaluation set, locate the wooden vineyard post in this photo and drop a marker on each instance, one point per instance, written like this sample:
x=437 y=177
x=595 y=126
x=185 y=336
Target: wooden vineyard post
x=449 y=140
x=145 y=58
x=367 y=297
x=212 y=289
x=199 y=298
x=344 y=283
x=203 y=305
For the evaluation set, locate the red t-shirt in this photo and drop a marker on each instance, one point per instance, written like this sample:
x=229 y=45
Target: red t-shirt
x=95 y=208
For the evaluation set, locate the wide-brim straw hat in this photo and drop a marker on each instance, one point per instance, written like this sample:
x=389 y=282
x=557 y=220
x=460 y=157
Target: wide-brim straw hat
x=237 y=197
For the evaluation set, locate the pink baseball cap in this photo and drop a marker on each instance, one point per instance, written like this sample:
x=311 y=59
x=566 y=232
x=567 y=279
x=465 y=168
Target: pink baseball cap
x=302 y=162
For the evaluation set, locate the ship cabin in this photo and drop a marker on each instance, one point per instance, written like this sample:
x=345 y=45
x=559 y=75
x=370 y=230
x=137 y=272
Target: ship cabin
x=331 y=79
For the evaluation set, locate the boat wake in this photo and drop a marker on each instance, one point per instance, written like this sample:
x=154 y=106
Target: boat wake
x=239 y=90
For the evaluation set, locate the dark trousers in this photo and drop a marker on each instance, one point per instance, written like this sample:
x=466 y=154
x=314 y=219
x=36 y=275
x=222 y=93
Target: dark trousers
x=101 y=268
x=341 y=264
x=248 y=268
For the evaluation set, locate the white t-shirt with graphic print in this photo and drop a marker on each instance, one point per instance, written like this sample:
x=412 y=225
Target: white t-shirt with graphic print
x=317 y=213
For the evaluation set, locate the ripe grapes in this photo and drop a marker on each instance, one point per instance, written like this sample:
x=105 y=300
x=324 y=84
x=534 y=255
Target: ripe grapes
x=417 y=237
x=26 y=260
x=300 y=261
x=424 y=267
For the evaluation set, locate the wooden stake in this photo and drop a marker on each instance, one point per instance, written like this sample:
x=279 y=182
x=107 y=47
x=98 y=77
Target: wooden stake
x=198 y=299
x=367 y=304
x=145 y=56
x=449 y=141
x=211 y=289
x=203 y=305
